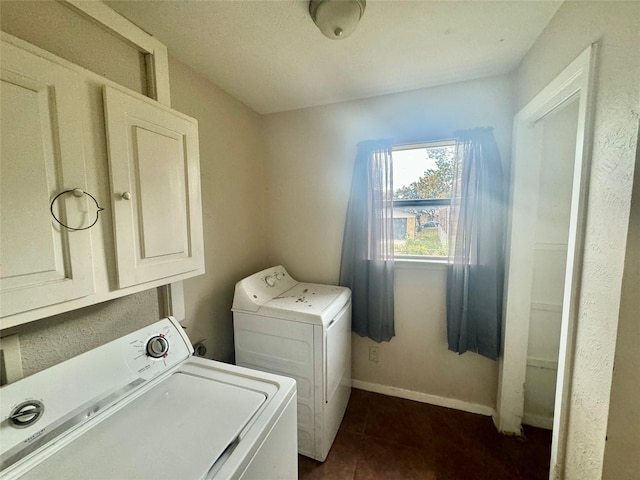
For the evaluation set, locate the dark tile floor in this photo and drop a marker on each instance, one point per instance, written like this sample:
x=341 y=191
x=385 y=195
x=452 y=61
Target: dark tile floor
x=391 y=438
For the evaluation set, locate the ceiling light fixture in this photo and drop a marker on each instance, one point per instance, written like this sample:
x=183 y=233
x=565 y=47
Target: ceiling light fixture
x=336 y=19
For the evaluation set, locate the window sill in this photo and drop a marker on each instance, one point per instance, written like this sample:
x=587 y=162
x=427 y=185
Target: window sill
x=436 y=263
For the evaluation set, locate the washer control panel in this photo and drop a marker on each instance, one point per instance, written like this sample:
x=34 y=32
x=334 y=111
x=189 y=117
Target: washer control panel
x=35 y=406
x=156 y=348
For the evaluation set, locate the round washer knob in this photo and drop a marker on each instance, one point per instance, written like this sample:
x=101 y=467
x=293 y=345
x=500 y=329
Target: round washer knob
x=157 y=347
x=270 y=281
x=25 y=414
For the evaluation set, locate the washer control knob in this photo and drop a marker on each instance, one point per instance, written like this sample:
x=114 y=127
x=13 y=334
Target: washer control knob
x=270 y=281
x=157 y=347
x=25 y=414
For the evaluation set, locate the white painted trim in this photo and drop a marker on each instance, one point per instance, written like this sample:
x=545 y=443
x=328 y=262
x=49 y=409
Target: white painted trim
x=12 y=358
x=157 y=63
x=451 y=142
x=575 y=252
x=38 y=314
x=542 y=363
x=538 y=421
x=92 y=76
x=172 y=300
x=575 y=83
x=109 y=19
x=561 y=247
x=456 y=404
x=560 y=91
x=156 y=56
x=414 y=263
x=518 y=277
x=546 y=307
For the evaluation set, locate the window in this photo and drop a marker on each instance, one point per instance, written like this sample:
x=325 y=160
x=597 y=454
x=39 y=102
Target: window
x=422 y=180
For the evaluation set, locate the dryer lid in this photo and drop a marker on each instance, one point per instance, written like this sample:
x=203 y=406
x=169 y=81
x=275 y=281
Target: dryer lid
x=308 y=302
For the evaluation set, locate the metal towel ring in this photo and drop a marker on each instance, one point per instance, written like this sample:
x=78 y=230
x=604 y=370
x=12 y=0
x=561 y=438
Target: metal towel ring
x=78 y=193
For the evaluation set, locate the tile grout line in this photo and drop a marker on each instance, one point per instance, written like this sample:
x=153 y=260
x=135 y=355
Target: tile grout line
x=362 y=437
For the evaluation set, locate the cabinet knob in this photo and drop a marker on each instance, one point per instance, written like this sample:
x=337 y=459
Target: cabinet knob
x=126 y=196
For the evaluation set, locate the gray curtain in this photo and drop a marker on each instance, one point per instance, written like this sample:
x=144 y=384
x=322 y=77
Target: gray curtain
x=366 y=266
x=475 y=272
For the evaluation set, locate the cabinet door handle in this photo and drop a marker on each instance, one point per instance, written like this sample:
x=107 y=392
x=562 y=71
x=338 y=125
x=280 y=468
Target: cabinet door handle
x=78 y=192
x=126 y=196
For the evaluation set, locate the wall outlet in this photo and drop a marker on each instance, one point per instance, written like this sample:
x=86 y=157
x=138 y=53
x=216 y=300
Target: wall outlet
x=373 y=354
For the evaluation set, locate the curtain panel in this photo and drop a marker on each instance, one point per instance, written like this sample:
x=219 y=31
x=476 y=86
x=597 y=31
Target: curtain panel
x=475 y=273
x=366 y=265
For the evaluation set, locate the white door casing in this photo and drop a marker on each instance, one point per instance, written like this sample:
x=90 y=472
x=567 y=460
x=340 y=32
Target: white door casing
x=574 y=83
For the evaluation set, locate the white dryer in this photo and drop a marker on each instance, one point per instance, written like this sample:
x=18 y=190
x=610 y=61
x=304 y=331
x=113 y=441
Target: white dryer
x=301 y=330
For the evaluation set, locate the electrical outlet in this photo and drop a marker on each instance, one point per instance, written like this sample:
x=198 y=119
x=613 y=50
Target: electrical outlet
x=373 y=354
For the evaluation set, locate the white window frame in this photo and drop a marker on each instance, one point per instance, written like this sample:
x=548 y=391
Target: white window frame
x=422 y=260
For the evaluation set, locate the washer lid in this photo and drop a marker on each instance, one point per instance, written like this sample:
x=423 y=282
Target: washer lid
x=307 y=302
x=178 y=429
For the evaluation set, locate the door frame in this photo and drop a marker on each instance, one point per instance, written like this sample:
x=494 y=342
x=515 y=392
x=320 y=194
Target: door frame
x=575 y=83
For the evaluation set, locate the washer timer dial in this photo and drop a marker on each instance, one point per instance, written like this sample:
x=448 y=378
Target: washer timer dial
x=157 y=346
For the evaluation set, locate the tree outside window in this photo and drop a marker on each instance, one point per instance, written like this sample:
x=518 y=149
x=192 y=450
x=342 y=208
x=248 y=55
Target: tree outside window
x=423 y=179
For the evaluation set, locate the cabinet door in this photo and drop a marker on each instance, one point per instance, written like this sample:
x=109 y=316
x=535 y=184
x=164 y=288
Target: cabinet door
x=42 y=154
x=155 y=180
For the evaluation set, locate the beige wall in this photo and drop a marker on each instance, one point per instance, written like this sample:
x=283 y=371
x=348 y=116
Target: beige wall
x=52 y=340
x=232 y=175
x=615 y=25
x=621 y=459
x=311 y=154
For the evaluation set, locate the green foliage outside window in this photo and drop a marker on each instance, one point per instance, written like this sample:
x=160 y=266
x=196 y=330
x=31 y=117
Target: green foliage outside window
x=435 y=183
x=427 y=242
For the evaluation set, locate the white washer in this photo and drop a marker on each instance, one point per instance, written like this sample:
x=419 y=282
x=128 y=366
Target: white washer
x=301 y=330
x=141 y=407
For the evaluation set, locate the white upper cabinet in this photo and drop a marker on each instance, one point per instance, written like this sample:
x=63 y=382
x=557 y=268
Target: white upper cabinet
x=155 y=188
x=65 y=128
x=42 y=154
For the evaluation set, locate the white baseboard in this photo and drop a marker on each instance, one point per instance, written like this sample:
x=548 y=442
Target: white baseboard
x=539 y=421
x=425 y=398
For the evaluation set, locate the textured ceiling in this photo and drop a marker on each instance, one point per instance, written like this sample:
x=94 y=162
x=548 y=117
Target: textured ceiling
x=269 y=54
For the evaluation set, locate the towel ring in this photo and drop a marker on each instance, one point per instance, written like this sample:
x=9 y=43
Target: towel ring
x=78 y=193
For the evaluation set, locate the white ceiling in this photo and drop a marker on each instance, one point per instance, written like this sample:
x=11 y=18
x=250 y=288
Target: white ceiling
x=270 y=55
